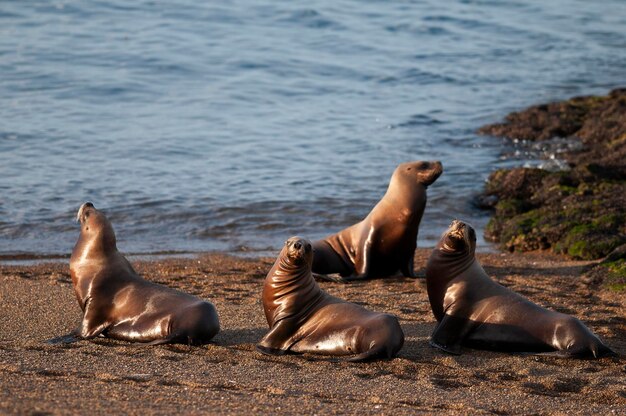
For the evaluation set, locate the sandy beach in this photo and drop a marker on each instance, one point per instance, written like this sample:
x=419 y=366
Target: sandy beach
x=106 y=376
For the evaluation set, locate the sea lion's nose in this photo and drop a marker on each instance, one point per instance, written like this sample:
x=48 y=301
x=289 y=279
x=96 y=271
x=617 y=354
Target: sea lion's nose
x=297 y=245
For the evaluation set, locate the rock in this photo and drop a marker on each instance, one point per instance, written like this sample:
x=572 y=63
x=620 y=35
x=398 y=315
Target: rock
x=611 y=271
x=517 y=183
x=579 y=212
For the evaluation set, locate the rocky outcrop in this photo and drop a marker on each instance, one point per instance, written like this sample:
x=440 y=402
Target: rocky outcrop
x=580 y=212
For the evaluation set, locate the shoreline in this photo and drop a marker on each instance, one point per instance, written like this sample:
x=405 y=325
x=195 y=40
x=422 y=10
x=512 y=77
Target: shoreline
x=229 y=376
x=32 y=259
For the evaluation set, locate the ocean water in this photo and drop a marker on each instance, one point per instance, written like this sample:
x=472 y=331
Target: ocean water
x=232 y=125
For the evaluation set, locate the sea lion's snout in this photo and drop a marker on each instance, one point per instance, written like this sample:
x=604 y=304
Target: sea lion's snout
x=456 y=227
x=434 y=165
x=426 y=172
x=432 y=171
x=437 y=168
x=84 y=211
x=298 y=248
x=454 y=237
x=459 y=235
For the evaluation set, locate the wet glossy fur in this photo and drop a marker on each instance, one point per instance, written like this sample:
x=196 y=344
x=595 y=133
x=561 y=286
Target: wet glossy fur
x=473 y=310
x=384 y=243
x=305 y=319
x=118 y=303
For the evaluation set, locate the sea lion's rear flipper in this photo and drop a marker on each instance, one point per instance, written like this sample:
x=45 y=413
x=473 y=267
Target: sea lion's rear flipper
x=590 y=348
x=161 y=341
x=553 y=354
x=348 y=279
x=177 y=339
x=65 y=339
x=277 y=341
x=454 y=349
x=605 y=351
x=597 y=351
x=329 y=278
x=450 y=333
x=379 y=352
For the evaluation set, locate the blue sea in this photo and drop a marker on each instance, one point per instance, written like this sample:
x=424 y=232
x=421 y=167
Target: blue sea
x=232 y=125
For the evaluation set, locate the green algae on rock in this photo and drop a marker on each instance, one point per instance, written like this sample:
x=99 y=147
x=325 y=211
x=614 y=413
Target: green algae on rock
x=611 y=271
x=580 y=211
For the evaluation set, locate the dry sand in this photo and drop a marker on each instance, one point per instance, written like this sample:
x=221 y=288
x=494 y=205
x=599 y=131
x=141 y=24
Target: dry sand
x=105 y=376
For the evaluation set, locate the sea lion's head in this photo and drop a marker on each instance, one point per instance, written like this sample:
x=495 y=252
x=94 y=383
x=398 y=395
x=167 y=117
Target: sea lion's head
x=298 y=251
x=424 y=172
x=459 y=237
x=95 y=227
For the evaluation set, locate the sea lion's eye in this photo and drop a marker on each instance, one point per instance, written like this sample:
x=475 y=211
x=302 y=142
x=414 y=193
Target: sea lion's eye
x=307 y=248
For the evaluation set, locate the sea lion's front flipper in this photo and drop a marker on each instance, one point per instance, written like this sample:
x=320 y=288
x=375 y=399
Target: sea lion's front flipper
x=94 y=321
x=408 y=270
x=276 y=342
x=270 y=351
x=65 y=339
x=450 y=333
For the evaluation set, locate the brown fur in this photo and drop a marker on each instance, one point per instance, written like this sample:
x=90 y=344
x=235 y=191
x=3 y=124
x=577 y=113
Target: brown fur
x=118 y=303
x=473 y=310
x=305 y=319
x=384 y=243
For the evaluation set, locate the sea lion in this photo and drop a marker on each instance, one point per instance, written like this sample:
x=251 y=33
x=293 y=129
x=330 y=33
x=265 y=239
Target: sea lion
x=383 y=244
x=305 y=319
x=473 y=310
x=118 y=303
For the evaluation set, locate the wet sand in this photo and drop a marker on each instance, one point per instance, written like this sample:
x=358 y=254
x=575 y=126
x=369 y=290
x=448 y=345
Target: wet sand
x=229 y=377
